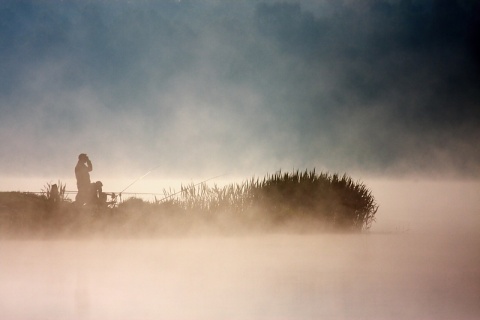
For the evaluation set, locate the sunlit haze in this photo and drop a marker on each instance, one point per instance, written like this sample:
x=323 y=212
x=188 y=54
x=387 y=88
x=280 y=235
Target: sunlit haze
x=166 y=93
x=203 y=88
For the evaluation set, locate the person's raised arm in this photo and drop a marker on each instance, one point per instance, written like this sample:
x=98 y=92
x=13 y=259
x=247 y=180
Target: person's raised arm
x=89 y=165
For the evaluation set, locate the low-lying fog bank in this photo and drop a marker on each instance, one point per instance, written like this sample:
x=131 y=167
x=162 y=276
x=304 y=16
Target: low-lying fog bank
x=420 y=261
x=357 y=276
x=433 y=206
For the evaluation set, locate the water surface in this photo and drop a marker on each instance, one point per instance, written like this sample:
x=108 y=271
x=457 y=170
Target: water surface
x=332 y=276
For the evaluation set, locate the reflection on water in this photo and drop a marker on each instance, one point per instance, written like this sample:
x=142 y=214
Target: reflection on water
x=363 y=276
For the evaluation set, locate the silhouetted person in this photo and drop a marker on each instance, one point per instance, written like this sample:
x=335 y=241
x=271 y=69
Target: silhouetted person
x=97 y=196
x=54 y=194
x=82 y=173
x=54 y=197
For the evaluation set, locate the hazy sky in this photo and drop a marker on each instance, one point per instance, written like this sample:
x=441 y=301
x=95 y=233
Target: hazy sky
x=245 y=87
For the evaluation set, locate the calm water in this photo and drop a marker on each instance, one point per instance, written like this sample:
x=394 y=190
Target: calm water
x=369 y=276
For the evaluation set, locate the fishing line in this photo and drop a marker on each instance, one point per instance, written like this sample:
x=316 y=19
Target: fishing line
x=154 y=168
x=169 y=196
x=139 y=178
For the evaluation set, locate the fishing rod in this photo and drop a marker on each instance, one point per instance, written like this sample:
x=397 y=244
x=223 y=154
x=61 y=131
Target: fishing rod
x=139 y=178
x=154 y=168
x=169 y=196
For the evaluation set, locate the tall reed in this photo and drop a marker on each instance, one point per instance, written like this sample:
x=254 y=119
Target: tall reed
x=336 y=201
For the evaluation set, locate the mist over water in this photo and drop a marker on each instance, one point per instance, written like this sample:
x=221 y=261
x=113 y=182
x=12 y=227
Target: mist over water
x=396 y=276
x=420 y=261
x=427 y=206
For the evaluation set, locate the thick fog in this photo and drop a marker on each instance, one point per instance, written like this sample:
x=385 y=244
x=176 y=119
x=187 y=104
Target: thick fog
x=419 y=261
x=373 y=276
x=207 y=87
x=386 y=91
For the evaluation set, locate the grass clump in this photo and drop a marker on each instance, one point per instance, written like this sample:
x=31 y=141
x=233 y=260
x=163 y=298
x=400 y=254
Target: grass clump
x=337 y=202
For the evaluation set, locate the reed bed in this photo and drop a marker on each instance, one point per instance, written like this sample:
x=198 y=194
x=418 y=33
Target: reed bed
x=336 y=201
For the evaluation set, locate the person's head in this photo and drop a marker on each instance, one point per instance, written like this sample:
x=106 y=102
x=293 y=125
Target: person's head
x=82 y=157
x=98 y=186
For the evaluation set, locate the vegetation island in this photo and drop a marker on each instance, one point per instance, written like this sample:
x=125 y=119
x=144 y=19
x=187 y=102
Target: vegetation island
x=282 y=202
